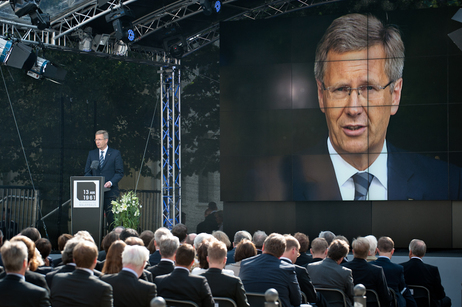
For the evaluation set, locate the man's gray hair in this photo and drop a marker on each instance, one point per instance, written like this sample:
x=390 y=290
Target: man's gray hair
x=418 y=247
x=357 y=32
x=135 y=255
x=259 y=237
x=162 y=231
x=328 y=235
x=168 y=245
x=68 y=252
x=241 y=234
x=104 y=133
x=372 y=244
x=201 y=237
x=13 y=255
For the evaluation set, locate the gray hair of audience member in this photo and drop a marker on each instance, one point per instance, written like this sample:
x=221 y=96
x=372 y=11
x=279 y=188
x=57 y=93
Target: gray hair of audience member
x=241 y=234
x=68 y=256
x=181 y=231
x=328 y=235
x=360 y=247
x=146 y=236
x=162 y=231
x=127 y=233
x=135 y=255
x=372 y=244
x=275 y=244
x=418 y=247
x=32 y=233
x=190 y=238
x=168 y=246
x=85 y=235
x=201 y=237
x=223 y=237
x=258 y=238
x=337 y=250
x=319 y=245
x=357 y=32
x=13 y=255
x=385 y=244
x=304 y=241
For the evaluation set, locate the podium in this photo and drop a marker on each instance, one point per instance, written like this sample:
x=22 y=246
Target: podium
x=87 y=204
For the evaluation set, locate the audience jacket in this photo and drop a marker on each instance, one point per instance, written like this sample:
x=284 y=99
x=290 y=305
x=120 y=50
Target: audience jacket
x=303 y=259
x=304 y=281
x=180 y=285
x=224 y=285
x=129 y=291
x=328 y=274
x=34 y=278
x=162 y=268
x=80 y=288
x=230 y=256
x=14 y=291
x=154 y=258
x=372 y=277
x=416 y=272
x=261 y=272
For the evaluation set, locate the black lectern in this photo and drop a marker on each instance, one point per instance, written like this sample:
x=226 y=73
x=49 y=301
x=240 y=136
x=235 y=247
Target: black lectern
x=87 y=195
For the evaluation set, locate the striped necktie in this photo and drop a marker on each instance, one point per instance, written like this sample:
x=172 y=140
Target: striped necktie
x=362 y=182
x=101 y=159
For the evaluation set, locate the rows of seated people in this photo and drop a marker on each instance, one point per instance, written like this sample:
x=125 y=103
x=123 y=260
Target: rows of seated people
x=131 y=269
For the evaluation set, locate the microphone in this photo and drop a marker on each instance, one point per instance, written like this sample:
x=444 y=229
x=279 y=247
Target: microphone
x=94 y=164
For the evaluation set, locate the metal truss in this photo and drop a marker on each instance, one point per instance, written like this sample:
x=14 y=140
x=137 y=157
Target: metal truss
x=171 y=146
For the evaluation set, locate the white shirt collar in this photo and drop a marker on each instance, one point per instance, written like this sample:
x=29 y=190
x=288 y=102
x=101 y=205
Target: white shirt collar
x=165 y=259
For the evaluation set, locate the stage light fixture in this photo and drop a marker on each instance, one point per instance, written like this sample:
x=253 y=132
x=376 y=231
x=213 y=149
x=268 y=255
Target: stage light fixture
x=31 y=8
x=85 y=38
x=175 y=45
x=121 y=19
x=211 y=6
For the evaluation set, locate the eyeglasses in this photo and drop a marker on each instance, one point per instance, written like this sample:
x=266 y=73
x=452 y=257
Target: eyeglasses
x=368 y=91
x=96 y=140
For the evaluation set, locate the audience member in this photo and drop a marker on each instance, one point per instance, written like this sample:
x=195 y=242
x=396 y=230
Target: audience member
x=108 y=239
x=190 y=239
x=318 y=250
x=265 y=271
x=371 y=276
x=180 y=285
x=372 y=247
x=113 y=263
x=181 y=231
x=328 y=235
x=394 y=273
x=147 y=237
x=238 y=236
x=14 y=290
x=44 y=247
x=129 y=291
x=134 y=241
x=68 y=261
x=258 y=238
x=81 y=287
x=328 y=273
x=416 y=272
x=219 y=217
x=304 y=242
x=343 y=238
x=221 y=284
x=127 y=233
x=210 y=222
x=290 y=256
x=62 y=240
x=32 y=233
x=245 y=249
x=202 y=253
x=168 y=246
x=223 y=237
x=155 y=257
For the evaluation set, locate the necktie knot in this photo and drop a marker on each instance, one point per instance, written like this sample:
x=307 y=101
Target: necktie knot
x=362 y=182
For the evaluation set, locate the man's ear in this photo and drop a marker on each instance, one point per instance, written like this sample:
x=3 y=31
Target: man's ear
x=321 y=96
x=396 y=95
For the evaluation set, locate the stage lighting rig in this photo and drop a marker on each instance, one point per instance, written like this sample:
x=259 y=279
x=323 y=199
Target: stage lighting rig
x=211 y=6
x=121 y=19
x=14 y=53
x=31 y=8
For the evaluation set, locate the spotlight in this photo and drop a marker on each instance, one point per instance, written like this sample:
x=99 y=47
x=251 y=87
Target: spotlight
x=31 y=8
x=175 y=45
x=121 y=19
x=85 y=38
x=211 y=6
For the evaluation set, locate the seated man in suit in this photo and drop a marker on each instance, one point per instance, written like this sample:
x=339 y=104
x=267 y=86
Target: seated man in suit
x=416 y=272
x=154 y=258
x=371 y=276
x=223 y=285
x=67 y=260
x=261 y=272
x=81 y=287
x=14 y=290
x=304 y=241
x=129 y=291
x=329 y=274
x=394 y=273
x=180 y=285
x=318 y=249
x=238 y=236
x=167 y=248
x=290 y=256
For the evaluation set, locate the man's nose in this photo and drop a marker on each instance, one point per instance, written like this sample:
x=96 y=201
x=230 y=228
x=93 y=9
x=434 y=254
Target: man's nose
x=354 y=105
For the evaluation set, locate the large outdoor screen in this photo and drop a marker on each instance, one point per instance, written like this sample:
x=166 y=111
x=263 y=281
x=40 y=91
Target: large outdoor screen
x=287 y=135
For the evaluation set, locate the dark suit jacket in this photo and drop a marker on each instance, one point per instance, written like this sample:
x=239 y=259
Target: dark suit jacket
x=162 y=268
x=372 y=277
x=79 y=288
x=209 y=224
x=394 y=273
x=223 y=285
x=129 y=291
x=261 y=272
x=154 y=258
x=62 y=269
x=180 y=285
x=410 y=176
x=328 y=274
x=304 y=281
x=230 y=256
x=34 y=278
x=16 y=292
x=112 y=170
x=303 y=259
x=416 y=272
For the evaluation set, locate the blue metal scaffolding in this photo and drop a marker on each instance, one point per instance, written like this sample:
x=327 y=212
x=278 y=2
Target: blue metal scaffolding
x=171 y=146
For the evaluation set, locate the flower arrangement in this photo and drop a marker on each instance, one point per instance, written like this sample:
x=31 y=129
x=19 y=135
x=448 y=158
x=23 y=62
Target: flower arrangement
x=127 y=210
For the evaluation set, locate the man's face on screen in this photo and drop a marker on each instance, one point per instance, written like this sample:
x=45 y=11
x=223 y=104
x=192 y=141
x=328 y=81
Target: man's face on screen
x=358 y=123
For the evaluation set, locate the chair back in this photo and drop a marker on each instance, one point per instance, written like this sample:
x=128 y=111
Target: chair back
x=335 y=297
x=421 y=295
x=258 y=299
x=372 y=298
x=179 y=303
x=304 y=298
x=224 y=302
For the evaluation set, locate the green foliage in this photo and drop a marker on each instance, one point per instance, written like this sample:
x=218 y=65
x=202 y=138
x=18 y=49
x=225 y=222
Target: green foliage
x=127 y=211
